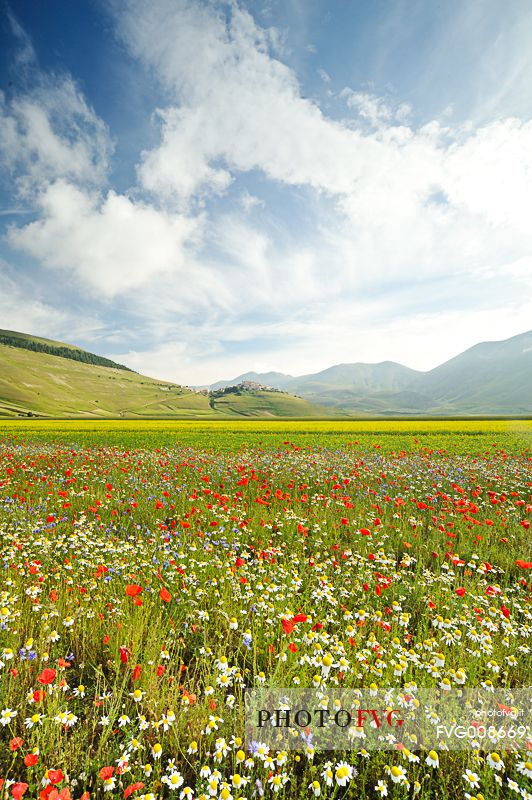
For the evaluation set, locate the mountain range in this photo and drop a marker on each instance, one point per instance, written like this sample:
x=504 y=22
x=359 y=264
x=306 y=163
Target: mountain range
x=490 y=378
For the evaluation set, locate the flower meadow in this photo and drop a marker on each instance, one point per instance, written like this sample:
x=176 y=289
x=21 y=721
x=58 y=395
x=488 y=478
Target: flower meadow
x=151 y=575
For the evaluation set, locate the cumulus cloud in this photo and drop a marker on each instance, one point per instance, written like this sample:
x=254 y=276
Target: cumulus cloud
x=56 y=150
x=112 y=244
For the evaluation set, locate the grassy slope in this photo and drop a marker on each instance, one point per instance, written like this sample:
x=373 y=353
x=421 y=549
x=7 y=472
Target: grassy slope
x=268 y=404
x=491 y=376
x=51 y=386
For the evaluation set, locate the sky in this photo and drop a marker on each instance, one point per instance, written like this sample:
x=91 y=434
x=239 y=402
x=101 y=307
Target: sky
x=198 y=188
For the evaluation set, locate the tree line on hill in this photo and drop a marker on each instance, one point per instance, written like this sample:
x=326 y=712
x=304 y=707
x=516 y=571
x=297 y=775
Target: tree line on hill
x=62 y=352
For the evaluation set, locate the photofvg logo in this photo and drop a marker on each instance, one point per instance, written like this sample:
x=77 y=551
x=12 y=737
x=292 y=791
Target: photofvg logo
x=387 y=719
x=321 y=717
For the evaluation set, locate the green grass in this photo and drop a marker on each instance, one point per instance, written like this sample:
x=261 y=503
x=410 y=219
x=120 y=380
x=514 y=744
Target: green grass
x=389 y=436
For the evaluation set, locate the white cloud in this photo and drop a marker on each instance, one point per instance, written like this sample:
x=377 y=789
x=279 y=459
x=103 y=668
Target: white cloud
x=238 y=108
x=236 y=103
x=51 y=132
x=57 y=150
x=179 y=167
x=374 y=109
x=490 y=175
x=249 y=201
x=370 y=107
x=111 y=244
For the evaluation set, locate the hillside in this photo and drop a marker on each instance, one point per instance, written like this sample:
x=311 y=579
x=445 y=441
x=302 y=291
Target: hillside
x=35 y=383
x=491 y=376
x=39 y=345
x=357 y=387
x=264 y=403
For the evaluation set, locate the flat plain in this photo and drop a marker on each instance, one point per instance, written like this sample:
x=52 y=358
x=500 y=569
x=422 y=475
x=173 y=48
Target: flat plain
x=153 y=571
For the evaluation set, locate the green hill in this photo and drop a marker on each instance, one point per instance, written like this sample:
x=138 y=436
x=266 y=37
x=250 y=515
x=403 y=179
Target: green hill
x=264 y=403
x=36 y=382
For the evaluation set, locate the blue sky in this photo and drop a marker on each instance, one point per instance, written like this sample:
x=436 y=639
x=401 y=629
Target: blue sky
x=198 y=189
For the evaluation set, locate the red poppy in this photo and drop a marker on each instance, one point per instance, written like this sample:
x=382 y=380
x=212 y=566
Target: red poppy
x=55 y=776
x=524 y=564
x=165 y=595
x=47 y=676
x=64 y=794
x=136 y=672
x=106 y=773
x=299 y=618
x=133 y=788
x=132 y=589
x=460 y=592
x=15 y=743
x=31 y=759
x=288 y=626
x=18 y=790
